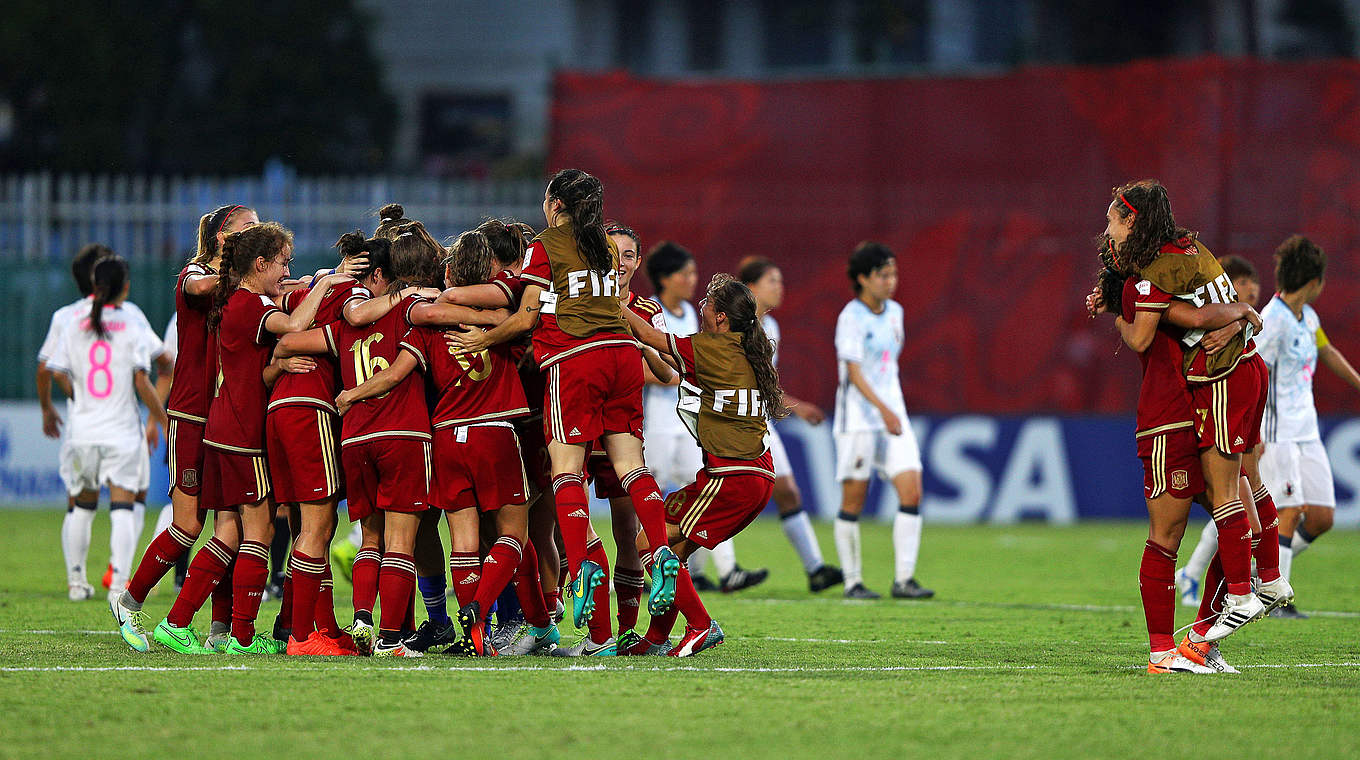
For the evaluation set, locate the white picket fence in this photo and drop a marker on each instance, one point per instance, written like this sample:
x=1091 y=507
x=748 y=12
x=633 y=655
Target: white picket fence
x=47 y=217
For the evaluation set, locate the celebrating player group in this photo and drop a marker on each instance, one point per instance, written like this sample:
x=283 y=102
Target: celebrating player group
x=486 y=382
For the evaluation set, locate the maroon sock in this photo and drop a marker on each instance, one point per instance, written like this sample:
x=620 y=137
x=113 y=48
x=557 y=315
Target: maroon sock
x=465 y=571
x=1234 y=546
x=628 y=593
x=165 y=550
x=529 y=590
x=364 y=574
x=285 y=618
x=205 y=572
x=408 y=623
x=308 y=573
x=396 y=590
x=500 y=566
x=552 y=598
x=600 y=625
x=573 y=519
x=222 y=595
x=247 y=580
x=1157 y=584
x=325 y=605
x=687 y=601
x=1211 y=596
x=1267 y=554
x=649 y=505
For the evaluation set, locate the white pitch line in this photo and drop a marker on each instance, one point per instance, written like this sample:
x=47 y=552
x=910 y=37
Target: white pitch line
x=517 y=669
x=1017 y=605
x=837 y=641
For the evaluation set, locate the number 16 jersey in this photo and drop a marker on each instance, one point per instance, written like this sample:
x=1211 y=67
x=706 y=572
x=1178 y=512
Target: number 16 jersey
x=363 y=352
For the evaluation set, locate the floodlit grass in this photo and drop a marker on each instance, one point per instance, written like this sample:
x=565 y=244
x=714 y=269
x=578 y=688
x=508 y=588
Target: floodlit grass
x=1034 y=647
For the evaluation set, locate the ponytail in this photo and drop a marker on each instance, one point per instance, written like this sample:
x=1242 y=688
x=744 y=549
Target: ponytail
x=378 y=251
x=108 y=277
x=582 y=198
x=738 y=304
x=209 y=225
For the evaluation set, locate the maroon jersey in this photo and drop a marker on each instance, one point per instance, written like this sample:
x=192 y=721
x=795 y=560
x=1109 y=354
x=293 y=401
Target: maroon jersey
x=530 y=376
x=362 y=352
x=244 y=346
x=319 y=387
x=196 y=362
x=472 y=388
x=567 y=328
x=1163 y=399
x=643 y=307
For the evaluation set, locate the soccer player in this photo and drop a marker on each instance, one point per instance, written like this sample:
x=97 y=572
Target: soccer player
x=1294 y=463
x=1227 y=388
x=767 y=285
x=730 y=361
x=873 y=432
x=581 y=341
x=191 y=390
x=385 y=442
x=1169 y=449
x=102 y=363
x=1248 y=286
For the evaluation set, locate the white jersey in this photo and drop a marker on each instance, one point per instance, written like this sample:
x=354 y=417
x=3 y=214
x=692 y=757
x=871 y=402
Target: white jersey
x=1289 y=347
x=771 y=328
x=171 y=343
x=658 y=401
x=74 y=313
x=873 y=341
x=104 y=407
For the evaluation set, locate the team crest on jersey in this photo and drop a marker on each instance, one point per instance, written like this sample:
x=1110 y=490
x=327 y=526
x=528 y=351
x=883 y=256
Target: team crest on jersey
x=1144 y=287
x=190 y=478
x=1288 y=489
x=1180 y=480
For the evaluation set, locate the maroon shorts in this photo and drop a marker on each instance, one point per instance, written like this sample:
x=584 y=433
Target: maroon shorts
x=387 y=474
x=231 y=479
x=594 y=393
x=1229 y=410
x=533 y=452
x=478 y=466
x=713 y=509
x=1171 y=464
x=184 y=442
x=601 y=472
x=301 y=444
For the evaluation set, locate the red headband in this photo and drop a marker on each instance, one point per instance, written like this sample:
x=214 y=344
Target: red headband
x=1125 y=201
x=222 y=225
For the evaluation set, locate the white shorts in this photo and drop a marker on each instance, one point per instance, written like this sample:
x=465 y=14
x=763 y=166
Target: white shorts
x=782 y=466
x=674 y=458
x=1298 y=473
x=88 y=466
x=859 y=454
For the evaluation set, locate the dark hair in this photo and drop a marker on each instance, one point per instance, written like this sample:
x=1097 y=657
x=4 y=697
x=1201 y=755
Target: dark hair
x=1153 y=223
x=867 y=258
x=752 y=268
x=582 y=198
x=738 y=304
x=1237 y=267
x=209 y=225
x=525 y=228
x=665 y=259
x=612 y=227
x=83 y=265
x=390 y=217
x=1298 y=261
x=239 y=251
x=470 y=259
x=415 y=258
x=1109 y=279
x=507 y=241
x=109 y=276
x=378 y=250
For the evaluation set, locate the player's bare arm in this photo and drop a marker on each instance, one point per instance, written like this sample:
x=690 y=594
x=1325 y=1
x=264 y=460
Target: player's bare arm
x=483 y=296
x=360 y=312
x=1335 y=361
x=857 y=379
x=280 y=323
x=300 y=343
x=805 y=410
x=1210 y=316
x=200 y=284
x=155 y=407
x=648 y=335
x=655 y=368
x=51 y=419
x=519 y=323
x=379 y=384
x=441 y=314
x=293 y=364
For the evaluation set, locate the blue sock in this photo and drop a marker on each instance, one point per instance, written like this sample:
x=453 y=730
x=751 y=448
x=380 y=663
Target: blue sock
x=432 y=589
x=507 y=604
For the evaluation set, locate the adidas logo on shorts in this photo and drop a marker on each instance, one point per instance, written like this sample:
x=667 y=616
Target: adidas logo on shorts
x=1238 y=441
x=702 y=534
x=653 y=496
x=574 y=431
x=470 y=579
x=490 y=560
x=579 y=513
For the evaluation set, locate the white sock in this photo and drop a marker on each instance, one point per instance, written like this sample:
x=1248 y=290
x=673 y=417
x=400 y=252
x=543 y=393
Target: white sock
x=1286 y=560
x=75 y=542
x=724 y=558
x=1203 y=553
x=138 y=522
x=122 y=545
x=698 y=562
x=1299 y=544
x=906 y=542
x=164 y=520
x=798 y=529
x=847 y=546
x=356 y=535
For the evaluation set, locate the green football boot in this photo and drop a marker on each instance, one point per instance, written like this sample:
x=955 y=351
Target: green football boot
x=260 y=644
x=183 y=640
x=664 y=570
x=582 y=591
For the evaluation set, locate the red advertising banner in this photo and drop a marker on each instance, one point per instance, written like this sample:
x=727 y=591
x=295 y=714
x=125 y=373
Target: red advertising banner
x=990 y=190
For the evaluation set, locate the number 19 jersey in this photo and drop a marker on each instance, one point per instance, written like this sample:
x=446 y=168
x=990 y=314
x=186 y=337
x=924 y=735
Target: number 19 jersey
x=363 y=352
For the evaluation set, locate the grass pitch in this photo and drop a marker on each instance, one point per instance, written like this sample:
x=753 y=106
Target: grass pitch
x=1034 y=647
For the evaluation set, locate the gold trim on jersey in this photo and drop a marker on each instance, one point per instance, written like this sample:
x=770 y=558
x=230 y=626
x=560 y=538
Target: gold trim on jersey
x=733 y=470
x=1158 y=466
x=386 y=434
x=573 y=351
x=187 y=417
x=301 y=401
x=491 y=417
x=1164 y=428
x=1150 y=305
x=325 y=423
x=700 y=505
x=1219 y=408
x=1226 y=371
x=233 y=449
